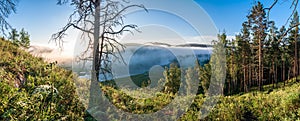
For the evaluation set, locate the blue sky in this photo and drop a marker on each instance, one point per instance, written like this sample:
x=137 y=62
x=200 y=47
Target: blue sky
x=42 y=18
x=229 y=14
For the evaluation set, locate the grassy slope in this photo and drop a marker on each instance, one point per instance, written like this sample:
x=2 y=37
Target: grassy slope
x=24 y=103
x=278 y=104
x=282 y=103
x=21 y=95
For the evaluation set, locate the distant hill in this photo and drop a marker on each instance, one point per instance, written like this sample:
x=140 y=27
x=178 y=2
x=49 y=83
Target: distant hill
x=170 y=45
x=158 y=43
x=195 y=45
x=140 y=58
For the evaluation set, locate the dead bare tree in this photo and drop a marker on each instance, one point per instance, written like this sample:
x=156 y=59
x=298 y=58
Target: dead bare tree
x=101 y=21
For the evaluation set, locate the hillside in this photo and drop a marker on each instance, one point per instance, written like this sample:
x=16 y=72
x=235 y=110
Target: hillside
x=31 y=89
x=278 y=104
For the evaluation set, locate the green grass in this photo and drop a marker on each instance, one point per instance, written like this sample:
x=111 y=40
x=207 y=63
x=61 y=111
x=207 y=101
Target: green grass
x=49 y=93
x=31 y=89
x=270 y=87
x=282 y=103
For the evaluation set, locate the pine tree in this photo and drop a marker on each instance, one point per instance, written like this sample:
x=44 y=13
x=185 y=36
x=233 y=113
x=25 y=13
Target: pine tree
x=294 y=38
x=13 y=36
x=172 y=79
x=204 y=77
x=217 y=66
x=272 y=53
x=243 y=48
x=24 y=39
x=258 y=26
x=284 y=50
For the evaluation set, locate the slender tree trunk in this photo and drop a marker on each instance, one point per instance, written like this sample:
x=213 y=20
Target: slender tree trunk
x=273 y=70
x=282 y=73
x=245 y=75
x=260 y=66
x=288 y=74
x=284 y=70
x=249 y=75
x=296 y=55
x=276 y=76
x=298 y=65
x=229 y=87
x=245 y=80
x=94 y=87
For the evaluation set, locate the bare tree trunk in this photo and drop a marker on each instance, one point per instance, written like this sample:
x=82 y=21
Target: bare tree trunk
x=289 y=74
x=245 y=80
x=249 y=75
x=229 y=87
x=94 y=87
x=245 y=76
x=260 y=66
x=298 y=65
x=276 y=76
x=284 y=78
x=273 y=70
x=282 y=73
x=257 y=76
x=296 y=56
x=112 y=17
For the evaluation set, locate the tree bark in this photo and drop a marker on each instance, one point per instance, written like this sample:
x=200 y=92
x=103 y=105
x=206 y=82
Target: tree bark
x=249 y=75
x=296 y=53
x=95 y=87
x=260 y=66
x=276 y=76
x=245 y=76
x=284 y=78
x=273 y=70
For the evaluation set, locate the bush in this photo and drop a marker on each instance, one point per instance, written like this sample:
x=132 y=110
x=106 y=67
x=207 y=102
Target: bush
x=31 y=89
